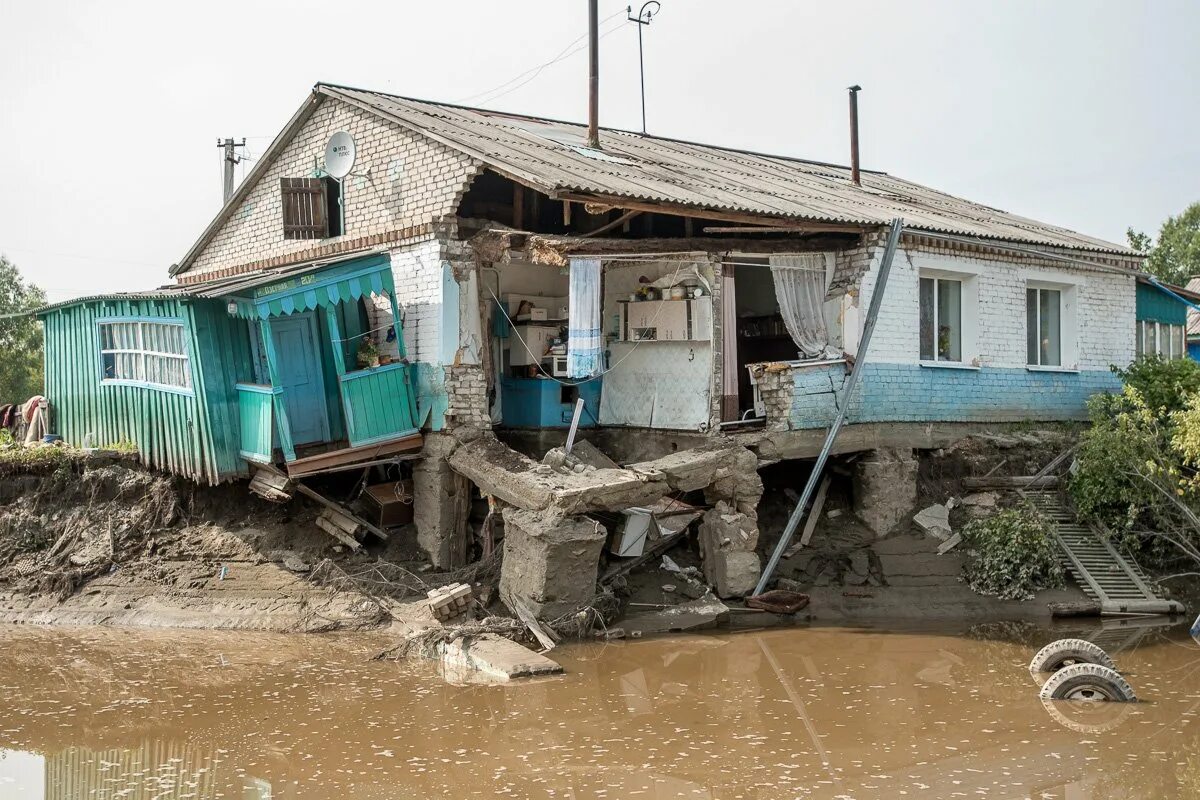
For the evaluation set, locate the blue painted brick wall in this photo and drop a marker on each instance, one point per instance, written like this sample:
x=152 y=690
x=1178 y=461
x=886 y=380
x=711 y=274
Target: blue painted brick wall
x=911 y=393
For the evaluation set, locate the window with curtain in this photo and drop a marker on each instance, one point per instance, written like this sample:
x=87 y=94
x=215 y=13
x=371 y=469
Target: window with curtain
x=941 y=332
x=800 y=282
x=153 y=353
x=1160 y=339
x=1043 y=327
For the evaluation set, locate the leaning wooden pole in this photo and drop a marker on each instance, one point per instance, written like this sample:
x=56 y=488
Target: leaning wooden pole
x=885 y=268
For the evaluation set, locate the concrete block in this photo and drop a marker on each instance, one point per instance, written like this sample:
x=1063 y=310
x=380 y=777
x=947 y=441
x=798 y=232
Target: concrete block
x=550 y=565
x=885 y=488
x=727 y=544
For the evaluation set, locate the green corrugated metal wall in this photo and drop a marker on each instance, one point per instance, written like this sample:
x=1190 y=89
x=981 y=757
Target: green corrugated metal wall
x=194 y=435
x=1156 y=305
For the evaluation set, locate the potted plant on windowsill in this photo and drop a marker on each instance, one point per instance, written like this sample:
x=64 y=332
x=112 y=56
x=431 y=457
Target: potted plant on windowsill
x=368 y=354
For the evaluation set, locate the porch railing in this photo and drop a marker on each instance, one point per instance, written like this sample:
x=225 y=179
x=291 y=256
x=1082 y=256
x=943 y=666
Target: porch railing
x=256 y=405
x=377 y=404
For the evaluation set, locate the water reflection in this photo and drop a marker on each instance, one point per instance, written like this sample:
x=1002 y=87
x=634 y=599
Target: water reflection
x=93 y=713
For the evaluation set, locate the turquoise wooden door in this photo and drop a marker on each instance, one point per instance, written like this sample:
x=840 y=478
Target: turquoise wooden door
x=299 y=370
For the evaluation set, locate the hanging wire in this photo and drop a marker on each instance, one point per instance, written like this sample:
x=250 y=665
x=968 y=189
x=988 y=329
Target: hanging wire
x=566 y=52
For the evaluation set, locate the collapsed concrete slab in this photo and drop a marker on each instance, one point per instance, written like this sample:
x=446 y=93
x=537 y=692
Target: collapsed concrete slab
x=725 y=471
x=502 y=472
x=885 y=488
x=494 y=657
x=935 y=520
x=550 y=564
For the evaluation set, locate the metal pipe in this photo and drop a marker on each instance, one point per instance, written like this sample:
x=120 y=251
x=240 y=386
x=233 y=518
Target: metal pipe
x=854 y=176
x=885 y=268
x=593 y=135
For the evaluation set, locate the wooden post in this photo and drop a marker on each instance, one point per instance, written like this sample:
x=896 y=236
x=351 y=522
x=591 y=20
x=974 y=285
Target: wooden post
x=283 y=427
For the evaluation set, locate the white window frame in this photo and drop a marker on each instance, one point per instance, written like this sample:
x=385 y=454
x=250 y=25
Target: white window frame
x=140 y=352
x=968 y=310
x=1068 y=330
x=1162 y=331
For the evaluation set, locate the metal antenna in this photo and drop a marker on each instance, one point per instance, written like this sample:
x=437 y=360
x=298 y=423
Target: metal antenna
x=643 y=19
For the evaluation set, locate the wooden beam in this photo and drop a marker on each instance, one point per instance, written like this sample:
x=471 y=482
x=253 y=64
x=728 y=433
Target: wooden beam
x=774 y=229
x=518 y=206
x=339 y=508
x=704 y=213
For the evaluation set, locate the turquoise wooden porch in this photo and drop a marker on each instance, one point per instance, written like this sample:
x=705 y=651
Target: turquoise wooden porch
x=375 y=408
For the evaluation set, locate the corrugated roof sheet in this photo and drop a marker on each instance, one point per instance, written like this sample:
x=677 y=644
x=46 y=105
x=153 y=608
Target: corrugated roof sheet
x=550 y=155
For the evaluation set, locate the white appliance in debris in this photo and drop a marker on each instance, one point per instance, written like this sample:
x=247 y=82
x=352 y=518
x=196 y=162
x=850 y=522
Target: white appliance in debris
x=530 y=343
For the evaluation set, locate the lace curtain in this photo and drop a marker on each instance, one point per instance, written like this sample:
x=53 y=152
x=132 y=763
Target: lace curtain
x=800 y=291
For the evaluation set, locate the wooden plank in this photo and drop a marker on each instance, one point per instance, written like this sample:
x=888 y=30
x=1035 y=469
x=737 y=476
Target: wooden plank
x=534 y=626
x=338 y=534
x=309 y=493
x=1013 y=482
x=344 y=522
x=810 y=524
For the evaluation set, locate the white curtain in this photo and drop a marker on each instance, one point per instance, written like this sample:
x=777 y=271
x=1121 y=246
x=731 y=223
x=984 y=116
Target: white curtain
x=800 y=291
x=585 y=358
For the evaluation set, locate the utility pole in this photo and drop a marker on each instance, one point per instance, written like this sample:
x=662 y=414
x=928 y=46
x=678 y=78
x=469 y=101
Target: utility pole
x=643 y=19
x=231 y=160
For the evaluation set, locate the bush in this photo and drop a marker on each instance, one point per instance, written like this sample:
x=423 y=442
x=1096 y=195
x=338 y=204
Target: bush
x=1164 y=384
x=1012 y=554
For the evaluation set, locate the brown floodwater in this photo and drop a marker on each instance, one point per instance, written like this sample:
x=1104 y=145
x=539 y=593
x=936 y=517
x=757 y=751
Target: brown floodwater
x=798 y=713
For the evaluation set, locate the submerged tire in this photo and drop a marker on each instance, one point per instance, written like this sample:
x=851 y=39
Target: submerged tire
x=1066 y=652
x=1088 y=683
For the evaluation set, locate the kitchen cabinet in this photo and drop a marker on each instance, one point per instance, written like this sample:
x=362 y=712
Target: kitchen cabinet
x=667 y=320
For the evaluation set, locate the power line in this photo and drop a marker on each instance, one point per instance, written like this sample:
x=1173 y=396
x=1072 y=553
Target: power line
x=568 y=51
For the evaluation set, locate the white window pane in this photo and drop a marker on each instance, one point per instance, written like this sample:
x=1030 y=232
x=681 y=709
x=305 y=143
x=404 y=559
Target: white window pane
x=1138 y=344
x=927 y=308
x=1180 y=347
x=1049 y=329
x=949 y=320
x=1151 y=338
x=1031 y=326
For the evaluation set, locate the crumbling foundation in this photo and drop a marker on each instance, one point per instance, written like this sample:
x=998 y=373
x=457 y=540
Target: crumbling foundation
x=550 y=565
x=441 y=501
x=885 y=488
x=728 y=539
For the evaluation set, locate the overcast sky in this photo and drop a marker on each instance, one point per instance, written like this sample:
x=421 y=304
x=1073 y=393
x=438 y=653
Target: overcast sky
x=1083 y=114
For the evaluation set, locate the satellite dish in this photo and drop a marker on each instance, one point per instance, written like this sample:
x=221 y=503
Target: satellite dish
x=340 y=153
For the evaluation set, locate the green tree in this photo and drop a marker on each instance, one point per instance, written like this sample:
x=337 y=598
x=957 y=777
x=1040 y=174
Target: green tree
x=1175 y=257
x=20 y=336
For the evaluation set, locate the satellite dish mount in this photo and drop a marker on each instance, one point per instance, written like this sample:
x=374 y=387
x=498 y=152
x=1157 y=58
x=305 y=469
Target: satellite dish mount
x=340 y=156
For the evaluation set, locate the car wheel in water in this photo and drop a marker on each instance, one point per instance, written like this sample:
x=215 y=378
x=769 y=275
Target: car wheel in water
x=1093 y=683
x=1068 y=652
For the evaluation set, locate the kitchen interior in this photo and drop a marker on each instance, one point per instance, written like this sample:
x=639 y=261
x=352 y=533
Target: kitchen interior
x=657 y=330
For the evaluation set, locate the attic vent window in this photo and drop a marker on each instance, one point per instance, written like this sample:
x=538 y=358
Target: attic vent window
x=312 y=208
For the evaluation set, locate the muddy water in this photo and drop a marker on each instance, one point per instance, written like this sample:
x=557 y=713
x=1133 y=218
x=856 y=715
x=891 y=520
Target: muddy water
x=96 y=713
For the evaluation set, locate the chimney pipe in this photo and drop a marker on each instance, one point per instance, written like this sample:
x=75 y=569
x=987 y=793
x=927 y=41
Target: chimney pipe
x=854 y=176
x=593 y=136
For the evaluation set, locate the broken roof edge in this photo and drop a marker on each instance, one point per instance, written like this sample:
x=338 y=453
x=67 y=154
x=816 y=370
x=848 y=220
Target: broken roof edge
x=264 y=162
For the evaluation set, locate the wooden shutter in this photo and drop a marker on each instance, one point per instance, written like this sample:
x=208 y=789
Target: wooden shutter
x=303 y=202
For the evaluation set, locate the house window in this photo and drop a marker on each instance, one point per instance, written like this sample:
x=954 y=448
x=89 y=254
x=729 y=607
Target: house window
x=941 y=319
x=1160 y=339
x=1043 y=327
x=312 y=208
x=153 y=353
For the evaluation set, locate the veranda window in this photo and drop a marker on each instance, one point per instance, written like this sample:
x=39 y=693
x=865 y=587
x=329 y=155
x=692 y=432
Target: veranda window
x=153 y=353
x=941 y=319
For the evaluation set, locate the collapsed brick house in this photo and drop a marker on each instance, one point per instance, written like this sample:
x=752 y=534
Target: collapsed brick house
x=731 y=298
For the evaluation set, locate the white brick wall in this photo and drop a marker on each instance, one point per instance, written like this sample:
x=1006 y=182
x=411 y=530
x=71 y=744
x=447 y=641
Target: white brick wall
x=417 y=273
x=412 y=181
x=1105 y=308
